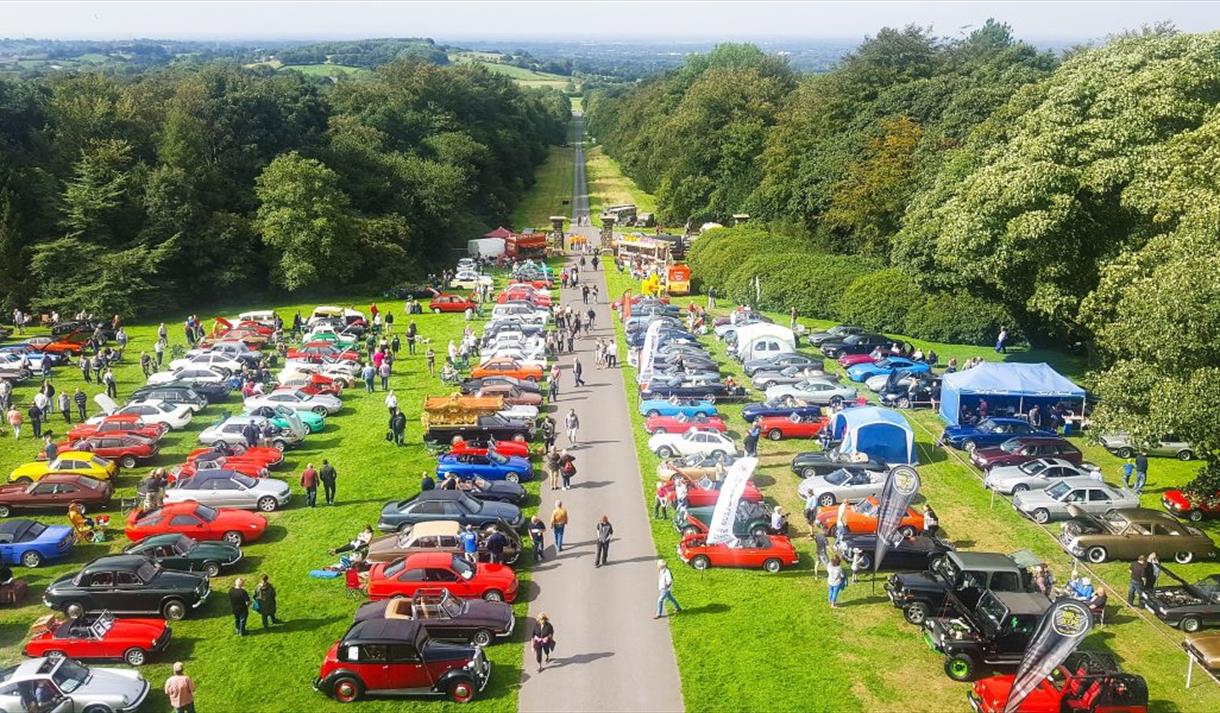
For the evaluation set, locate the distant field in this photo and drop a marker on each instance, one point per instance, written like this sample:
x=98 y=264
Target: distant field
x=325 y=70
x=608 y=186
x=550 y=195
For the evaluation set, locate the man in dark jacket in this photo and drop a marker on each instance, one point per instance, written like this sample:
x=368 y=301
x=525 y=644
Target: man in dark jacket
x=250 y=433
x=35 y=416
x=398 y=426
x=309 y=481
x=328 y=475
x=81 y=401
x=604 y=532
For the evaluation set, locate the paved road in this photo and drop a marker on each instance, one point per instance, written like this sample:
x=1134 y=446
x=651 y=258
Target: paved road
x=611 y=654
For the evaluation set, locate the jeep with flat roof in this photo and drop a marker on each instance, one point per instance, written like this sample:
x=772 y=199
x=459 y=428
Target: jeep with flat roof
x=967 y=575
x=995 y=633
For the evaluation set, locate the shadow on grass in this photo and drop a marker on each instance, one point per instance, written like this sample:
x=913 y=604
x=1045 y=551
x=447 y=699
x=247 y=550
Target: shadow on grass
x=304 y=624
x=180 y=648
x=713 y=608
x=274 y=533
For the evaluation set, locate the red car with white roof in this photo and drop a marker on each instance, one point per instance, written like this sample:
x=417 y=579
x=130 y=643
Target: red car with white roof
x=680 y=423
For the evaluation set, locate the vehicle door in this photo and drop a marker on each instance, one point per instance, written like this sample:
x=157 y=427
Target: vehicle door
x=8 y=554
x=971 y=586
x=225 y=492
x=188 y=524
x=169 y=558
x=1080 y=498
x=45 y=495
x=1099 y=501
x=132 y=595
x=101 y=593
x=371 y=663
x=437 y=578
x=1014 y=634
x=405 y=669
x=13 y=697
x=424 y=511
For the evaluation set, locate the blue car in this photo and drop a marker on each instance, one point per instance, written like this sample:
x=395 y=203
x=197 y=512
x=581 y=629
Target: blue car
x=864 y=372
x=989 y=432
x=673 y=407
x=782 y=406
x=492 y=466
x=30 y=543
x=34 y=356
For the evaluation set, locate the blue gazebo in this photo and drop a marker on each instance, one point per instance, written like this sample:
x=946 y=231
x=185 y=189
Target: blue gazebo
x=1009 y=388
x=878 y=432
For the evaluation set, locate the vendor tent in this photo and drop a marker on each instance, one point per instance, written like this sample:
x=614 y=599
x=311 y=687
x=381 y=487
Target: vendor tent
x=877 y=432
x=500 y=232
x=1009 y=389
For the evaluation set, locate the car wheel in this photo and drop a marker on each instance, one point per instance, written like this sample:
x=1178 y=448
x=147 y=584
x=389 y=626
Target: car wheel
x=904 y=402
x=652 y=412
x=220 y=444
x=866 y=561
x=174 y=610
x=513 y=478
x=1041 y=516
x=74 y=610
x=665 y=452
x=267 y=504
x=1190 y=624
x=915 y=613
x=1185 y=455
x=1020 y=488
x=493 y=595
x=700 y=414
x=98 y=708
x=31 y=559
x=1184 y=557
x=233 y=537
x=906 y=531
x=773 y=565
x=1193 y=515
x=135 y=656
x=1097 y=555
x=656 y=431
x=55 y=654
x=482 y=637
x=960 y=667
x=809 y=472
x=836 y=400
x=969 y=445
x=5 y=511
x=23 y=481
x=700 y=562
x=826 y=499
x=347 y=689
x=690 y=530
x=404 y=527
x=775 y=434
x=436 y=310
x=1125 y=452
x=127 y=462
x=461 y=691
x=280 y=445
x=211 y=569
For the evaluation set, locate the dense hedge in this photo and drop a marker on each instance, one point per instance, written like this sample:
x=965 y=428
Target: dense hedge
x=958 y=318
x=879 y=300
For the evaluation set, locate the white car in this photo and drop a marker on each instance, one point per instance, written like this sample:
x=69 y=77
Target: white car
x=69 y=686
x=231 y=348
x=465 y=279
x=190 y=375
x=522 y=312
x=216 y=360
x=841 y=485
x=296 y=399
x=227 y=431
x=150 y=411
x=342 y=367
x=519 y=411
x=668 y=445
x=1036 y=475
x=225 y=488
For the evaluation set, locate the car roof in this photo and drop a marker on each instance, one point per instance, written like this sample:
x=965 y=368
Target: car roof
x=202 y=476
x=15 y=525
x=438 y=494
x=436 y=527
x=429 y=559
x=117 y=562
x=380 y=629
x=1143 y=514
x=164 y=539
x=1023 y=602
x=984 y=560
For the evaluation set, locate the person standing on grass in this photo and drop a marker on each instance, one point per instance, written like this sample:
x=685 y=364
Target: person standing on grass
x=65 y=406
x=328 y=476
x=112 y=388
x=309 y=481
x=412 y=335
x=835 y=579
x=750 y=442
x=398 y=426
x=543 y=639
x=665 y=588
x=496 y=542
x=427 y=482
x=1138 y=569
x=81 y=401
x=49 y=449
x=820 y=545
x=571 y=423
x=559 y=521
x=660 y=504
x=931 y=523
x=604 y=532
x=180 y=690
x=1141 y=472
x=1152 y=572
x=430 y=355
x=239 y=600
x=43 y=402
x=14 y=421
x=86 y=368
x=368 y=373
x=470 y=544
x=146 y=365
x=35 y=415
x=395 y=345
x=537 y=529
x=792 y=319
x=391 y=402
x=384 y=372
x=264 y=602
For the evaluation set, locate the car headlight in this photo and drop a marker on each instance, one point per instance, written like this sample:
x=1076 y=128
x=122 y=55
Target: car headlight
x=124 y=700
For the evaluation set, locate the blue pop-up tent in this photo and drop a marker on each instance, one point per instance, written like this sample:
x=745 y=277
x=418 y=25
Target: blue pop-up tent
x=1009 y=389
x=877 y=432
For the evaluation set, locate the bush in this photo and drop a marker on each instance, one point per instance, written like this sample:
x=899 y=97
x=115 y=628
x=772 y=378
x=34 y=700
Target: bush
x=958 y=318
x=813 y=282
x=879 y=300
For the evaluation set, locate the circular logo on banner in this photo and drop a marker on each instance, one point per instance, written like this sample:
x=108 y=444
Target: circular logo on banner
x=906 y=480
x=1070 y=619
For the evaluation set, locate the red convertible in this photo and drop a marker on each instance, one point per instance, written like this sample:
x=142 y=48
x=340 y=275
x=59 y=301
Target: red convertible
x=119 y=424
x=794 y=426
x=266 y=456
x=1190 y=505
x=451 y=303
x=313 y=384
x=1087 y=682
x=769 y=552
x=55 y=491
x=850 y=359
x=705 y=492
x=515 y=293
x=125 y=448
x=321 y=352
x=99 y=636
x=246 y=467
x=197 y=521
x=681 y=423
x=430 y=571
x=504 y=448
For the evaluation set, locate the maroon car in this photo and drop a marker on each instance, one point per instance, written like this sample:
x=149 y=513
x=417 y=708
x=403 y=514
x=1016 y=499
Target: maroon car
x=1022 y=449
x=124 y=448
x=55 y=491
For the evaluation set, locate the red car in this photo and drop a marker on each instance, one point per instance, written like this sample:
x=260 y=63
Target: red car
x=769 y=552
x=540 y=298
x=197 y=521
x=849 y=359
x=537 y=284
x=316 y=384
x=705 y=492
x=794 y=426
x=1023 y=449
x=1086 y=682
x=125 y=448
x=451 y=303
x=119 y=424
x=504 y=448
x=266 y=456
x=246 y=467
x=56 y=491
x=861 y=518
x=431 y=571
x=322 y=351
x=681 y=423
x=73 y=343
x=1191 y=506
x=98 y=636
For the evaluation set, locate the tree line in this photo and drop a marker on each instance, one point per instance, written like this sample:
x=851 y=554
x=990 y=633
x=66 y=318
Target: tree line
x=128 y=194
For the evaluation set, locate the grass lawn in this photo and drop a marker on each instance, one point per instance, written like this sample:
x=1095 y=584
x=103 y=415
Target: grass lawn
x=792 y=652
x=608 y=186
x=274 y=671
x=324 y=70
x=551 y=193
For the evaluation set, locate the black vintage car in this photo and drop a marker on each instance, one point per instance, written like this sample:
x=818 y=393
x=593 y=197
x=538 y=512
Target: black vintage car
x=399 y=515
x=958 y=578
x=811 y=463
x=173 y=394
x=916 y=553
x=503 y=491
x=834 y=334
x=1187 y=606
x=184 y=554
x=663 y=387
x=854 y=344
x=127 y=584
x=492 y=426
x=897 y=391
x=214 y=392
x=995 y=633
x=750 y=519
x=446 y=617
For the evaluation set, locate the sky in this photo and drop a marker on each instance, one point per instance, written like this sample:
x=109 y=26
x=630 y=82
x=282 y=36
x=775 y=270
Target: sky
x=579 y=19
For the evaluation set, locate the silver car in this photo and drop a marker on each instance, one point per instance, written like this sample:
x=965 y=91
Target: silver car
x=1169 y=446
x=1088 y=494
x=821 y=391
x=297 y=399
x=767 y=378
x=1036 y=475
x=227 y=431
x=225 y=488
x=63 y=685
x=842 y=484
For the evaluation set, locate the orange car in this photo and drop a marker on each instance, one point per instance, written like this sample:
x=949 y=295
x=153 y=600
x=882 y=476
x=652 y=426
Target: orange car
x=861 y=518
x=73 y=343
x=503 y=366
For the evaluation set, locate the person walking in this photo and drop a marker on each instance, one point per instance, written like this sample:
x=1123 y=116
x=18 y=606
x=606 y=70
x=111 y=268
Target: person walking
x=1141 y=472
x=112 y=388
x=1138 y=569
x=552 y=467
x=412 y=335
x=309 y=481
x=559 y=521
x=391 y=402
x=571 y=423
x=567 y=468
x=239 y=600
x=835 y=579
x=14 y=421
x=328 y=476
x=384 y=372
x=604 y=532
x=543 y=640
x=1152 y=572
x=548 y=434
x=1001 y=341
x=368 y=373
x=660 y=504
x=537 y=528
x=65 y=406
x=86 y=369
x=81 y=400
x=430 y=355
x=398 y=427
x=750 y=442
x=180 y=689
x=711 y=298
x=665 y=588
x=264 y=602
x=577 y=371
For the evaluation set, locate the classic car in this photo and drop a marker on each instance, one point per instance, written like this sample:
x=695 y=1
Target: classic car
x=682 y=423
x=119 y=425
x=1022 y=449
x=440 y=536
x=446 y=617
x=861 y=517
x=965 y=575
x=1089 y=495
x=33 y=356
x=1168 y=446
x=764 y=380
x=30 y=543
x=77 y=462
x=99 y=636
x=504 y=491
x=1187 y=606
x=854 y=344
x=1204 y=648
x=675 y=406
x=339 y=337
x=751 y=518
x=123 y=448
x=189 y=375
x=916 y=553
x=470 y=386
x=233 y=348
x=769 y=552
x=174 y=394
x=263 y=455
x=695 y=466
x=667 y=445
x=481 y=447
x=794 y=426
x=396 y=657
x=226 y=431
x=811 y=463
x=182 y=471
x=287 y=418
x=849 y=360
x=411 y=290
x=989 y=432
x=429 y=571
x=346 y=373
x=492 y=466
x=1126 y=534
x=452 y=303
x=822 y=391
x=73 y=343
x=1191 y=505
x=322 y=351
x=840 y=331
x=227 y=488
x=310 y=383
x=704 y=491
x=512 y=395
x=447 y=505
x=847 y=483
x=994 y=634
x=71 y=686
x=180 y=553
x=507 y=367
x=666 y=387
x=884 y=367
x=56 y=492
x=1086 y=681
x=151 y=411
x=198 y=521
x=297 y=400
x=15 y=370
x=494 y=426
x=127 y=584
x=1035 y=475
x=218 y=360
x=898 y=392
x=782 y=406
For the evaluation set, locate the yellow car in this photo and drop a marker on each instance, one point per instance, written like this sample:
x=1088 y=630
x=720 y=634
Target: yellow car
x=77 y=462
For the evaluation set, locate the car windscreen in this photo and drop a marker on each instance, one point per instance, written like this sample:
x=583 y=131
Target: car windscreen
x=244 y=480
x=1010 y=446
x=838 y=477
x=462 y=567
x=497 y=458
x=947 y=569
x=393 y=569
x=1032 y=467
x=1058 y=490
x=70 y=676
x=184 y=545
x=31 y=531
x=985 y=427
x=452 y=607
x=865 y=507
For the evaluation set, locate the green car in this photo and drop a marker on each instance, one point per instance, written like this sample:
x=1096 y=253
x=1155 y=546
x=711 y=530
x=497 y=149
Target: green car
x=340 y=341
x=751 y=519
x=291 y=419
x=183 y=554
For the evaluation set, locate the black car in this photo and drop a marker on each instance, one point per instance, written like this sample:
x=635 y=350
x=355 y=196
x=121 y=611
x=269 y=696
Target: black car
x=470 y=386
x=895 y=394
x=417 y=290
x=447 y=505
x=916 y=553
x=127 y=584
x=63 y=329
x=172 y=394
x=994 y=633
x=1187 y=606
x=447 y=617
x=214 y=392
x=855 y=344
x=781 y=361
x=665 y=387
x=492 y=426
x=503 y=491
x=955 y=581
x=842 y=331
x=811 y=463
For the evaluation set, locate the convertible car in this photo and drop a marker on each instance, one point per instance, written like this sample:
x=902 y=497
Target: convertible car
x=492 y=466
x=861 y=518
x=769 y=552
x=821 y=391
x=435 y=570
x=432 y=505
x=810 y=463
x=778 y=362
x=864 y=372
x=184 y=554
x=794 y=426
x=695 y=466
x=676 y=406
x=704 y=492
x=842 y=484
x=98 y=636
x=441 y=536
x=462 y=446
x=782 y=406
x=681 y=424
x=447 y=617
x=666 y=387
x=989 y=432
x=1191 y=505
